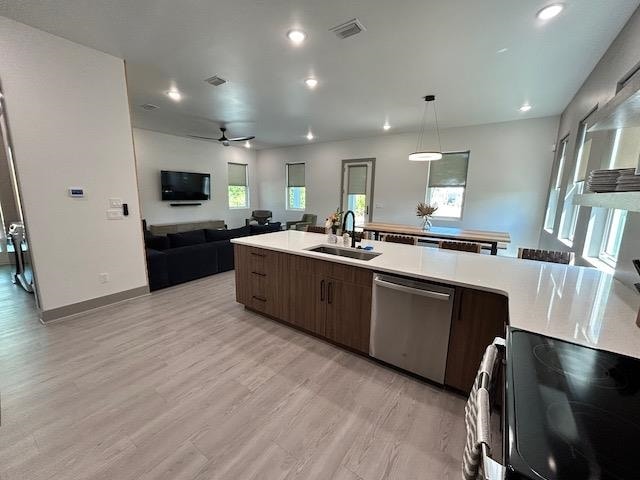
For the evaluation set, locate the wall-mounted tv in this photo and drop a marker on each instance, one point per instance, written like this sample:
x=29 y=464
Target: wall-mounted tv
x=185 y=185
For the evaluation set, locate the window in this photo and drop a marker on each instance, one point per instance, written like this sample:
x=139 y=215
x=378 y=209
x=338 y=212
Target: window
x=296 y=191
x=238 y=190
x=554 y=193
x=570 y=212
x=447 y=184
x=357 y=192
x=612 y=239
x=604 y=237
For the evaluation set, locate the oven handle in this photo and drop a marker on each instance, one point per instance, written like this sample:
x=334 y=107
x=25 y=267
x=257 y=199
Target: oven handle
x=491 y=469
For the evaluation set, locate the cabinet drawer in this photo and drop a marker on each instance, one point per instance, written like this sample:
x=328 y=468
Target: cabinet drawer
x=261 y=262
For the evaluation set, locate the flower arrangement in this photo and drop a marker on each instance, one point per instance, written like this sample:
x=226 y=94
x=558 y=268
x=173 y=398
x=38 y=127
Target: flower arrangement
x=425 y=210
x=334 y=220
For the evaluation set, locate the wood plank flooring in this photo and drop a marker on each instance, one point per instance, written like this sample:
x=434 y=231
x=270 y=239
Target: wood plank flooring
x=187 y=385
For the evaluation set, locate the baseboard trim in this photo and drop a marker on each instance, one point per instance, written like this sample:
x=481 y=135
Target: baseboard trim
x=62 y=313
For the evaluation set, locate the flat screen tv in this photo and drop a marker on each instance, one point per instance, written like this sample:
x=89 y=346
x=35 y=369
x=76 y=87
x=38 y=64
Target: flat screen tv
x=185 y=185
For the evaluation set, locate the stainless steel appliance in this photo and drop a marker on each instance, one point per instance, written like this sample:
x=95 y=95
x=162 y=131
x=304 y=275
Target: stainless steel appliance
x=569 y=412
x=410 y=324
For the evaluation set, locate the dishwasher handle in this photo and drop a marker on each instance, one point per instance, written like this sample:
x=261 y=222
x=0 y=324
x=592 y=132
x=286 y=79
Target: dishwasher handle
x=413 y=291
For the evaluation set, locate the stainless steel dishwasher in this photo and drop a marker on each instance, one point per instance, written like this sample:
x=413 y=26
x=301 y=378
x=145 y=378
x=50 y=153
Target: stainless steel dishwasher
x=410 y=324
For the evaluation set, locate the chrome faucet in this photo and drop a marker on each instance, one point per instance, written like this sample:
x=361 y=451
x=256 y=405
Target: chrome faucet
x=353 y=231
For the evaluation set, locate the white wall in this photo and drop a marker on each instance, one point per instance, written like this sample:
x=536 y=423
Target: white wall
x=69 y=119
x=158 y=151
x=621 y=57
x=509 y=171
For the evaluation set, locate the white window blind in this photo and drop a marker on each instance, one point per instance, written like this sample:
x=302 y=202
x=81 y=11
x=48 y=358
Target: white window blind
x=357 y=180
x=451 y=171
x=237 y=174
x=626 y=149
x=295 y=175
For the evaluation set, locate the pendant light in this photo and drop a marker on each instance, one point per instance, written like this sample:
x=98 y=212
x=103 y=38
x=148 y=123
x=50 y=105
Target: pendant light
x=427 y=155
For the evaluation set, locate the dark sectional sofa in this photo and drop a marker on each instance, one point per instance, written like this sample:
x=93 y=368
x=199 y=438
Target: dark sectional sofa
x=181 y=257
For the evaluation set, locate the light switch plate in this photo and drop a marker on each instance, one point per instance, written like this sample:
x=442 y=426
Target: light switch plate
x=115 y=203
x=114 y=214
x=76 y=192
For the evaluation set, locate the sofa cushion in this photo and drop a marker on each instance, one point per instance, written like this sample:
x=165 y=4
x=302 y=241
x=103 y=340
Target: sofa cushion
x=225 y=255
x=189 y=263
x=186 y=239
x=270 y=227
x=157 y=269
x=218 y=235
x=156 y=242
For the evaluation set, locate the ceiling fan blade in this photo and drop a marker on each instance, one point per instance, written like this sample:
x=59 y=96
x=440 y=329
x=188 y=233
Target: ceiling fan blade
x=203 y=138
x=242 y=139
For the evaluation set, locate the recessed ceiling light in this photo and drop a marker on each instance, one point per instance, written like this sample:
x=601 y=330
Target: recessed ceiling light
x=296 y=36
x=525 y=108
x=247 y=144
x=502 y=50
x=174 y=95
x=386 y=126
x=310 y=136
x=550 y=11
x=311 y=82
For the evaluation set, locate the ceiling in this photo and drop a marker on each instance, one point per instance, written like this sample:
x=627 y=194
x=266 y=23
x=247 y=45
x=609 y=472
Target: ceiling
x=410 y=48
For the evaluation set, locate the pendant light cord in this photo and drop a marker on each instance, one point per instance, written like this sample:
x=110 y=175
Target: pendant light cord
x=424 y=119
x=435 y=114
x=420 y=144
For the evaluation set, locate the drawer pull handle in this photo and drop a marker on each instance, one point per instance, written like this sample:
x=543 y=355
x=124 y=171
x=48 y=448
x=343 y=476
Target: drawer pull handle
x=258 y=254
x=322 y=290
x=330 y=293
x=259 y=274
x=261 y=299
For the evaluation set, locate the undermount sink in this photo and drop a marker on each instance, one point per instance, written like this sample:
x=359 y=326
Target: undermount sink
x=345 y=252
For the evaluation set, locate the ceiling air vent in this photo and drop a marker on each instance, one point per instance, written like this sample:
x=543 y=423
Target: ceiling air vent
x=348 y=29
x=216 y=81
x=149 y=107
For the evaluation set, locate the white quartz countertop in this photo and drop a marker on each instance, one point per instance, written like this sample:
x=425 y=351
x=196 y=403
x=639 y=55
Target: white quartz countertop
x=577 y=304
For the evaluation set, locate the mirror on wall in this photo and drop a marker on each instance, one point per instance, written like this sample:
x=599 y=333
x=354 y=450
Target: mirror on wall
x=15 y=253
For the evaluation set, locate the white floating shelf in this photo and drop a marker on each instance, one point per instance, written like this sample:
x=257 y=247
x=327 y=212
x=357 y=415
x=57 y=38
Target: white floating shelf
x=621 y=200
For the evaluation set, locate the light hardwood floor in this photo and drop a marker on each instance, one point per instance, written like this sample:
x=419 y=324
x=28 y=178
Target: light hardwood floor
x=185 y=384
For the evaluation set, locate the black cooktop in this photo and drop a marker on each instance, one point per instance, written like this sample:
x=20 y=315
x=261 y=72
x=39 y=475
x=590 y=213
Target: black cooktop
x=572 y=412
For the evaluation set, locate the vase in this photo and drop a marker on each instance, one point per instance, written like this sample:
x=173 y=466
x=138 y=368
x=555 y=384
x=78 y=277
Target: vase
x=426 y=223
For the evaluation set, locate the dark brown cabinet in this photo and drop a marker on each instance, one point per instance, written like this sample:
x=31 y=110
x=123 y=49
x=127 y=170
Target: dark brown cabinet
x=348 y=320
x=262 y=280
x=478 y=318
x=331 y=300
x=328 y=299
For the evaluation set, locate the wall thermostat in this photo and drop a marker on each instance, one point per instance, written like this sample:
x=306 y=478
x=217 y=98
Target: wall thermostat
x=76 y=192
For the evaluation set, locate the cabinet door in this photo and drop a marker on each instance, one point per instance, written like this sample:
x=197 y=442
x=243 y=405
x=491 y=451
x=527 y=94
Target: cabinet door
x=478 y=318
x=349 y=314
x=307 y=301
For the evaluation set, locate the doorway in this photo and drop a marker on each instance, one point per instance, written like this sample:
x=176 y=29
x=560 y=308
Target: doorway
x=358 y=179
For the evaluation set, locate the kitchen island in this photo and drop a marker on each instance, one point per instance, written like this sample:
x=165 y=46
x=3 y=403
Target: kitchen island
x=277 y=275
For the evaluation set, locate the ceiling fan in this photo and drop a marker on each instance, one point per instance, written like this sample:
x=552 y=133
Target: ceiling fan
x=223 y=139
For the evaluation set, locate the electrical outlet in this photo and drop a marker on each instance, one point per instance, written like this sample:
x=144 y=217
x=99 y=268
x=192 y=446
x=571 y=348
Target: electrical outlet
x=104 y=277
x=115 y=203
